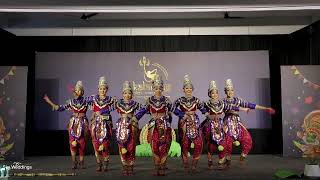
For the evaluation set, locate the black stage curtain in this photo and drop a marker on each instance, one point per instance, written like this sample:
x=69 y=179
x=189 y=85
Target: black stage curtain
x=301 y=47
x=13 y=52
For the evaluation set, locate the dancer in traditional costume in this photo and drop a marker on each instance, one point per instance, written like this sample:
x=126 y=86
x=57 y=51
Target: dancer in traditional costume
x=189 y=125
x=78 y=124
x=236 y=132
x=159 y=107
x=101 y=124
x=127 y=128
x=212 y=126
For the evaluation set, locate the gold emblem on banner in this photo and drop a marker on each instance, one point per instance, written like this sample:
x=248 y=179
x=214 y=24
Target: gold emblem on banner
x=150 y=71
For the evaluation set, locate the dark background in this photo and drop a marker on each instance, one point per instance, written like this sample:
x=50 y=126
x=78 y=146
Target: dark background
x=298 y=48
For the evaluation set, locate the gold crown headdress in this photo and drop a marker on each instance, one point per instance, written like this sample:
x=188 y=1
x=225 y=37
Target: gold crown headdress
x=126 y=86
x=102 y=81
x=212 y=86
x=157 y=82
x=228 y=84
x=187 y=81
x=79 y=85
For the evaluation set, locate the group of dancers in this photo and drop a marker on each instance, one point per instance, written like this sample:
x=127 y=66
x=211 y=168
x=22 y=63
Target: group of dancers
x=221 y=129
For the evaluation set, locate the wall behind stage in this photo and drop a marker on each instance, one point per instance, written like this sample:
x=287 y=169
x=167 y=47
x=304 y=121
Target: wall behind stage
x=13 y=100
x=300 y=89
x=57 y=72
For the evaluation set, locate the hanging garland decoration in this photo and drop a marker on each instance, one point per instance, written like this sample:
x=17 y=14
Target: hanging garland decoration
x=7 y=75
x=305 y=81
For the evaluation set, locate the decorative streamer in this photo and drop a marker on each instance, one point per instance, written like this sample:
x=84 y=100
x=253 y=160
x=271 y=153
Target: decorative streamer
x=305 y=81
x=6 y=77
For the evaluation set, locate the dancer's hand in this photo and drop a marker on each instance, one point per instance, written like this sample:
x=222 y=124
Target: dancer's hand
x=270 y=111
x=46 y=98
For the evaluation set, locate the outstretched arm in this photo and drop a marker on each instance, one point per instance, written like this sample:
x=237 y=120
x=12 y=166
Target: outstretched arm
x=112 y=107
x=267 y=109
x=230 y=107
x=169 y=107
x=202 y=107
x=246 y=104
x=244 y=109
x=56 y=107
x=143 y=110
x=176 y=110
x=48 y=100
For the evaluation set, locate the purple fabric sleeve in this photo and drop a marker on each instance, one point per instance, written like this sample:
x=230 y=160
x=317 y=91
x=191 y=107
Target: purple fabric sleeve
x=178 y=113
x=141 y=112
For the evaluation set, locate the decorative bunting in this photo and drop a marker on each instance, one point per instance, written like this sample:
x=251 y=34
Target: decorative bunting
x=11 y=73
x=300 y=76
x=305 y=81
x=6 y=77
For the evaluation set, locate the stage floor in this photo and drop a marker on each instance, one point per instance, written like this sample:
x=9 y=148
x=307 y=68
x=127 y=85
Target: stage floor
x=257 y=167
